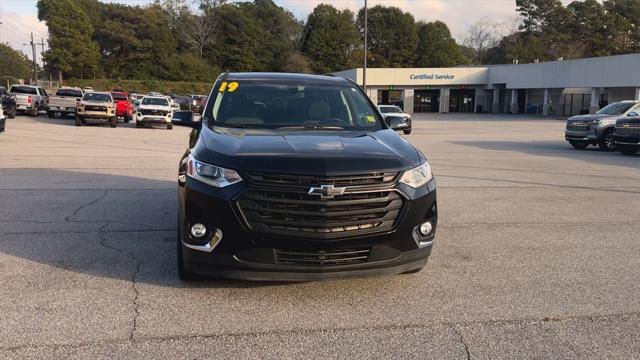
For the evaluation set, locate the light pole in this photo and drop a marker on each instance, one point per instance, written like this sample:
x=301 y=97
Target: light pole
x=364 y=68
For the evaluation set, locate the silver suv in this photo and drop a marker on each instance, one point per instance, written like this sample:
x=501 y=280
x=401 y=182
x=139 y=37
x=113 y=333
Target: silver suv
x=598 y=128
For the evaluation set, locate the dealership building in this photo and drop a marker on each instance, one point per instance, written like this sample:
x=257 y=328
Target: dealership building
x=560 y=88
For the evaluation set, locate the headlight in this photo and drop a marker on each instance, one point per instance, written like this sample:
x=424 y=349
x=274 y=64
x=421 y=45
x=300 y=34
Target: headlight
x=417 y=177
x=211 y=174
x=596 y=122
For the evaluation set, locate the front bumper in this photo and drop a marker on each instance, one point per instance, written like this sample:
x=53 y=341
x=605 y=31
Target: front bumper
x=246 y=254
x=626 y=140
x=147 y=119
x=590 y=135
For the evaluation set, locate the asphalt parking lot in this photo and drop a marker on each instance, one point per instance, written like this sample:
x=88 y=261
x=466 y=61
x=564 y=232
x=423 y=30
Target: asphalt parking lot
x=536 y=256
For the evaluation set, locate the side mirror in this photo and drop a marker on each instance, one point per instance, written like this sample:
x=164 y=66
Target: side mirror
x=185 y=118
x=633 y=113
x=397 y=123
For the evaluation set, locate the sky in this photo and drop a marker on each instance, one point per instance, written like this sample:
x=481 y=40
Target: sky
x=19 y=17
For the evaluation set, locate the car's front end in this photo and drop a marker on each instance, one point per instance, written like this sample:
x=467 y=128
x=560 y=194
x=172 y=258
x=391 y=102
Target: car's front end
x=95 y=111
x=627 y=135
x=153 y=115
x=276 y=225
x=587 y=129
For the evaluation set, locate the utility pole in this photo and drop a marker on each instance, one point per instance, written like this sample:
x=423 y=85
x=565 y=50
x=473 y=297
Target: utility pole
x=364 y=69
x=42 y=43
x=35 y=64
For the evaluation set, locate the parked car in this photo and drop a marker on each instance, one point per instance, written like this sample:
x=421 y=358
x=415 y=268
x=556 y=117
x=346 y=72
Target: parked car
x=30 y=98
x=598 y=129
x=154 y=110
x=97 y=107
x=3 y=120
x=627 y=133
x=197 y=103
x=64 y=102
x=8 y=103
x=298 y=177
x=124 y=108
x=183 y=101
x=395 y=117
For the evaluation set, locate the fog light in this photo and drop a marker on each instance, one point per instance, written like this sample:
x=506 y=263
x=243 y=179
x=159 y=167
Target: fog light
x=198 y=230
x=425 y=228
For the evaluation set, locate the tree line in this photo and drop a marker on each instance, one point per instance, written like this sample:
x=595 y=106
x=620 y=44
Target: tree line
x=192 y=40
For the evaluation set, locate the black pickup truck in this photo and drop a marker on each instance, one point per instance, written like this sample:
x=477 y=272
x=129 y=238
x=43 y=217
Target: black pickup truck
x=8 y=103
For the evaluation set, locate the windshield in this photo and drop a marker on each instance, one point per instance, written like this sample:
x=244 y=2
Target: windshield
x=615 y=108
x=69 y=93
x=256 y=104
x=100 y=97
x=390 y=109
x=119 y=96
x=24 y=90
x=155 y=101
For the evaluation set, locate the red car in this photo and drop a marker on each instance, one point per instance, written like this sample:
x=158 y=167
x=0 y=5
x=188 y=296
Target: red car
x=124 y=109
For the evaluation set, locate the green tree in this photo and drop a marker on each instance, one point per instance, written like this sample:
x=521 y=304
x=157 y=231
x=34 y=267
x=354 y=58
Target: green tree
x=330 y=38
x=258 y=36
x=436 y=47
x=15 y=64
x=589 y=28
x=624 y=25
x=71 y=49
x=392 y=38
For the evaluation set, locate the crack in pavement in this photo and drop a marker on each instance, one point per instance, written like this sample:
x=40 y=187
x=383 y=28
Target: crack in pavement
x=134 y=275
x=76 y=211
x=533 y=322
x=461 y=340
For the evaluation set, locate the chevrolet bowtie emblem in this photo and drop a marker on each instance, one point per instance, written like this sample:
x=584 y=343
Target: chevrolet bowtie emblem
x=326 y=191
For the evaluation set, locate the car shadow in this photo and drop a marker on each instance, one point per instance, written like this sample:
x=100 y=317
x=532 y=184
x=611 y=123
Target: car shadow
x=559 y=149
x=98 y=224
x=70 y=121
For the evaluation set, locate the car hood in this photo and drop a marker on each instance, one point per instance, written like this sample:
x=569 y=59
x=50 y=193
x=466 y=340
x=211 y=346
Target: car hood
x=154 y=107
x=591 y=117
x=307 y=152
x=100 y=103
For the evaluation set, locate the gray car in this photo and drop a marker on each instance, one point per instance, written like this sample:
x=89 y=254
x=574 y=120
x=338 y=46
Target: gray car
x=598 y=128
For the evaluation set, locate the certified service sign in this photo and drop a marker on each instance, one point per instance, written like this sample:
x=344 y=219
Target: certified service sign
x=431 y=77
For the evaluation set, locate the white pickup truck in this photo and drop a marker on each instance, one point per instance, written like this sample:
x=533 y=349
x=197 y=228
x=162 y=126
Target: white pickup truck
x=154 y=110
x=64 y=102
x=30 y=98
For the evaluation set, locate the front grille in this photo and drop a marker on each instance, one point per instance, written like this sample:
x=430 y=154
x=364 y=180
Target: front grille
x=322 y=257
x=628 y=131
x=306 y=181
x=395 y=118
x=154 y=112
x=95 y=108
x=577 y=127
x=302 y=215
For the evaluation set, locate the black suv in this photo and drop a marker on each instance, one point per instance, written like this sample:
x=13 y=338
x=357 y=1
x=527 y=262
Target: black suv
x=297 y=177
x=8 y=102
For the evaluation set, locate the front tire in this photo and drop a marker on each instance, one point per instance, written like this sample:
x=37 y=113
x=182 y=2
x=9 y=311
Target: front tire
x=170 y=126
x=34 y=111
x=51 y=114
x=12 y=113
x=629 y=149
x=580 y=145
x=78 y=120
x=113 y=122
x=607 y=142
x=139 y=125
x=407 y=132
